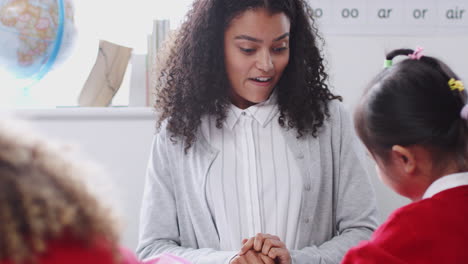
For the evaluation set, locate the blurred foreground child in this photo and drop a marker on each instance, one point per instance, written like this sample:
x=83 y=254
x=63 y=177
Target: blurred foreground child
x=47 y=214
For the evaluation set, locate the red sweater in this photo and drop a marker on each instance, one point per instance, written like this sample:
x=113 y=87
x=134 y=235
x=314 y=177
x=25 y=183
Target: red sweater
x=433 y=230
x=70 y=252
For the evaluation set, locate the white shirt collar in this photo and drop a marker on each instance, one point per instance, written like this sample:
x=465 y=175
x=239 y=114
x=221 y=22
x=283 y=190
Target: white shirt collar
x=445 y=183
x=262 y=112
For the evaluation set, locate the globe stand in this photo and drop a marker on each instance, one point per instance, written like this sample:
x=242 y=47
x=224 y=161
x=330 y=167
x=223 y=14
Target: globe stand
x=23 y=97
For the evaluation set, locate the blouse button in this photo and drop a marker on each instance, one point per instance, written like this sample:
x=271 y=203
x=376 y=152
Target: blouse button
x=243 y=113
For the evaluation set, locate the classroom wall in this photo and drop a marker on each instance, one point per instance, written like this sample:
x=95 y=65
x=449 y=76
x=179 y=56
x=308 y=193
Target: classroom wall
x=354 y=60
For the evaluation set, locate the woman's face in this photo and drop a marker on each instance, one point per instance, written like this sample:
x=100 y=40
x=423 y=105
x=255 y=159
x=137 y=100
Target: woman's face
x=256 y=52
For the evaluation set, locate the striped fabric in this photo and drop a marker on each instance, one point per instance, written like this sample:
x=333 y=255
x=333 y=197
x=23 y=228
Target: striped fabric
x=254 y=184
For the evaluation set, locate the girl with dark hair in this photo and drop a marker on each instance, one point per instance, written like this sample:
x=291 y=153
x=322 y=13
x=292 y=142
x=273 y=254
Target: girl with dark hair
x=413 y=119
x=252 y=141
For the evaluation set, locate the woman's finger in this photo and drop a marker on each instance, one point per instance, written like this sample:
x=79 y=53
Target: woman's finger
x=271 y=243
x=266 y=259
x=281 y=255
x=253 y=257
x=258 y=241
x=239 y=260
x=272 y=236
x=247 y=246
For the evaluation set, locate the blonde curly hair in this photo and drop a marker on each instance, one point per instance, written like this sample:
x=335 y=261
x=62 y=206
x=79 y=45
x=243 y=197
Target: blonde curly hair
x=42 y=198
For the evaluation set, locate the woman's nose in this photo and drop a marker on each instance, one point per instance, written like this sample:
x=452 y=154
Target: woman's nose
x=265 y=62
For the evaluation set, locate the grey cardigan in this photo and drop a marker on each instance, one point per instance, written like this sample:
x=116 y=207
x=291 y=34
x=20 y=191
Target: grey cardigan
x=338 y=203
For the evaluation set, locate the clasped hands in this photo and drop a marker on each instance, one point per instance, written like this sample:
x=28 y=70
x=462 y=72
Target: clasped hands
x=262 y=249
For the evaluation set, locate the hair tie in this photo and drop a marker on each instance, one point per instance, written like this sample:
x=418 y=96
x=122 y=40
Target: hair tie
x=456 y=85
x=388 y=63
x=417 y=54
x=464 y=112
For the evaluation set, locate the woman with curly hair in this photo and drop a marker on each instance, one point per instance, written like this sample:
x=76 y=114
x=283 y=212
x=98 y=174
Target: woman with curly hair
x=252 y=144
x=47 y=214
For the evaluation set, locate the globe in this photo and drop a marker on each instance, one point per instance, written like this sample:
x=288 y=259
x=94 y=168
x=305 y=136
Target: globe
x=35 y=36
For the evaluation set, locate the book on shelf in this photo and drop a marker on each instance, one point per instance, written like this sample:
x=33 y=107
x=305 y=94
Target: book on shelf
x=137 y=91
x=156 y=44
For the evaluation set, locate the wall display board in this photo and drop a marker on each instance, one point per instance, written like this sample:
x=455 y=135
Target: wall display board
x=398 y=17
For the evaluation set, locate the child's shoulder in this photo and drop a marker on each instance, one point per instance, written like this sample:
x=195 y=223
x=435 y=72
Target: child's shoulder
x=73 y=251
x=410 y=212
x=400 y=218
x=417 y=218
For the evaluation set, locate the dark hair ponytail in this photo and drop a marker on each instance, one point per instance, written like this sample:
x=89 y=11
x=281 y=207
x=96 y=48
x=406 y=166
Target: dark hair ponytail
x=412 y=103
x=394 y=53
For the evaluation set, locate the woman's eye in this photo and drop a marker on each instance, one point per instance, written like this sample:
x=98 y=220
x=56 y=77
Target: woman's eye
x=247 y=50
x=278 y=50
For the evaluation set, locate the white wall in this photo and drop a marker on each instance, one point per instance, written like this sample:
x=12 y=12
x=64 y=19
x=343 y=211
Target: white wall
x=354 y=60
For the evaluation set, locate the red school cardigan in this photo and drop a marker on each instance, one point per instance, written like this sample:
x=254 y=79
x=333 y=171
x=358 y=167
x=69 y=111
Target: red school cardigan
x=66 y=251
x=433 y=230
x=70 y=251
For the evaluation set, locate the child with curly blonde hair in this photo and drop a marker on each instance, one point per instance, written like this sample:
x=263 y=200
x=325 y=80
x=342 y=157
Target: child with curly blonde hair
x=47 y=214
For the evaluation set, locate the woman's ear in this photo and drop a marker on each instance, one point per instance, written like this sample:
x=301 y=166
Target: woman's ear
x=404 y=158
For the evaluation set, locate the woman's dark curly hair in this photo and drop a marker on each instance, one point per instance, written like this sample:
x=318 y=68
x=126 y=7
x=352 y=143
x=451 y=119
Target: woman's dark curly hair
x=193 y=81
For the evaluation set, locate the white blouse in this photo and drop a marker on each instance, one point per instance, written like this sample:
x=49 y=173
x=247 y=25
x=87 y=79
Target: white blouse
x=254 y=185
x=445 y=183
